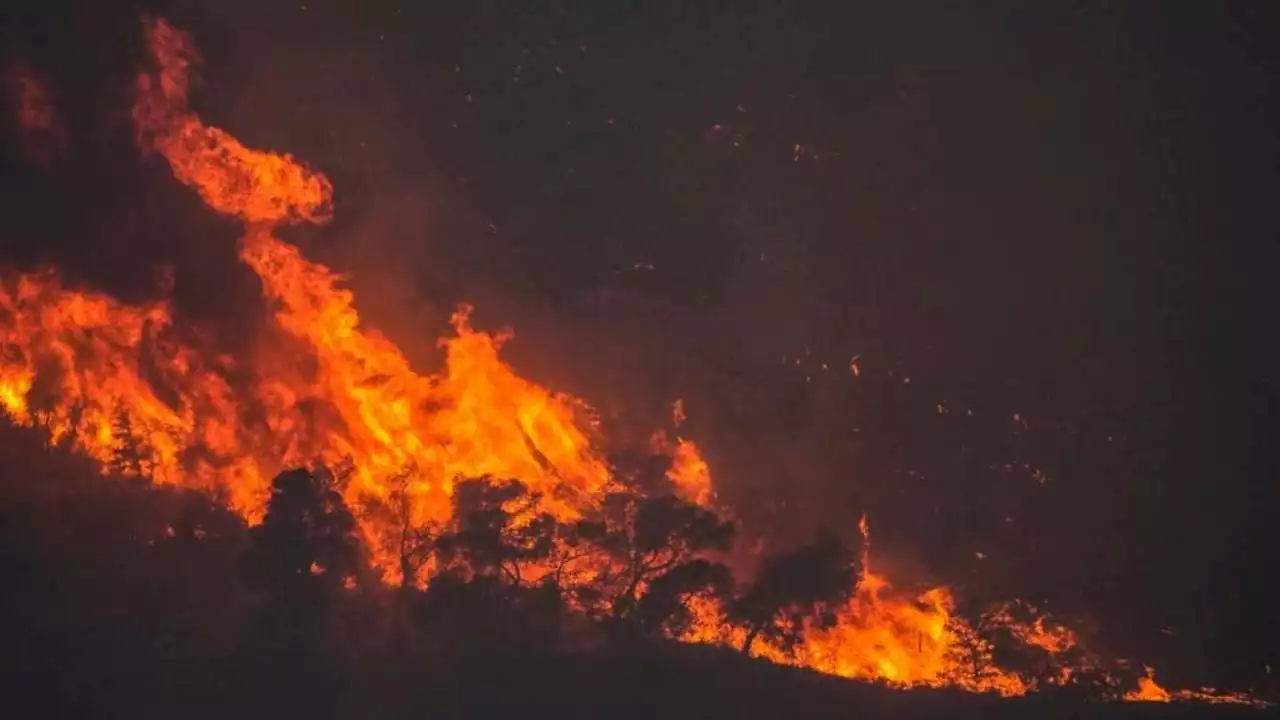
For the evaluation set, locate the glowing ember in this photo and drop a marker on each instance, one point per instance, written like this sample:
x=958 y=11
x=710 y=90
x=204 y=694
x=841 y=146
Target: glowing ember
x=1038 y=633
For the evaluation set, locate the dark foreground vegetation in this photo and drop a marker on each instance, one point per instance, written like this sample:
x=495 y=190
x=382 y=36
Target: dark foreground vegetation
x=120 y=599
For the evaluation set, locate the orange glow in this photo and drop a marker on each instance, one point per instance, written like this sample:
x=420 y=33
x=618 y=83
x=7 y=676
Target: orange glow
x=260 y=187
x=1038 y=632
x=690 y=473
x=83 y=365
x=476 y=418
x=135 y=391
x=905 y=640
x=1149 y=690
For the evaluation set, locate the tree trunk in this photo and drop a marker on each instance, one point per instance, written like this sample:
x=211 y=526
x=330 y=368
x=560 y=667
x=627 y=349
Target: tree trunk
x=406 y=572
x=750 y=639
x=628 y=597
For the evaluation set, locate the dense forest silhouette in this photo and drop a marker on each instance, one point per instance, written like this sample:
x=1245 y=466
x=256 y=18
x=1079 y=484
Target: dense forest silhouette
x=122 y=594
x=122 y=597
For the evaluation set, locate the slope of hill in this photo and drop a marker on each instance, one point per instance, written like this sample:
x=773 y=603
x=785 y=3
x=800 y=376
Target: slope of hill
x=123 y=599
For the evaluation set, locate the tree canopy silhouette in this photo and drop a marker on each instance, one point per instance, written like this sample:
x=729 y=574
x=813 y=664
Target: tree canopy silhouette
x=307 y=538
x=655 y=546
x=795 y=590
x=484 y=597
x=306 y=562
x=497 y=529
x=121 y=595
x=412 y=539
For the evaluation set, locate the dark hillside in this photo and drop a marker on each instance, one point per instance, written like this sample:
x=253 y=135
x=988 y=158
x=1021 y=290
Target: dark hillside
x=120 y=599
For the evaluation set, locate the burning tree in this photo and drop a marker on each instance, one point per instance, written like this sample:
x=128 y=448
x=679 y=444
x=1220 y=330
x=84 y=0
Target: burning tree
x=392 y=519
x=304 y=560
x=491 y=591
x=130 y=454
x=796 y=590
x=654 y=551
x=307 y=540
x=496 y=530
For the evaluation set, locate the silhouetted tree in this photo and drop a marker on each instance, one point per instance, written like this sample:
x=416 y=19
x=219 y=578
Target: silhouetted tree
x=43 y=398
x=497 y=529
x=131 y=454
x=654 y=543
x=795 y=590
x=74 y=416
x=483 y=600
x=664 y=610
x=411 y=540
x=305 y=560
x=307 y=538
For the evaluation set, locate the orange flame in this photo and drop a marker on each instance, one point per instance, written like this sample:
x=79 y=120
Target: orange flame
x=1149 y=690
x=260 y=187
x=125 y=386
x=83 y=366
x=477 y=418
x=690 y=473
x=901 y=640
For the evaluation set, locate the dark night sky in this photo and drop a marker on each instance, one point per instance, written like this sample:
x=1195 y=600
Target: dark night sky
x=1060 y=210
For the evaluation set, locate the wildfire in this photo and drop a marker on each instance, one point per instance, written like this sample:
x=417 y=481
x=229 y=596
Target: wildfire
x=259 y=187
x=131 y=389
x=91 y=371
x=902 y=640
x=690 y=475
x=476 y=418
x=1150 y=691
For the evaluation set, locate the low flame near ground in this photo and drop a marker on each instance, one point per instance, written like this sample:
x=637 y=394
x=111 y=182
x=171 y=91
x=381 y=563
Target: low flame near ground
x=98 y=374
